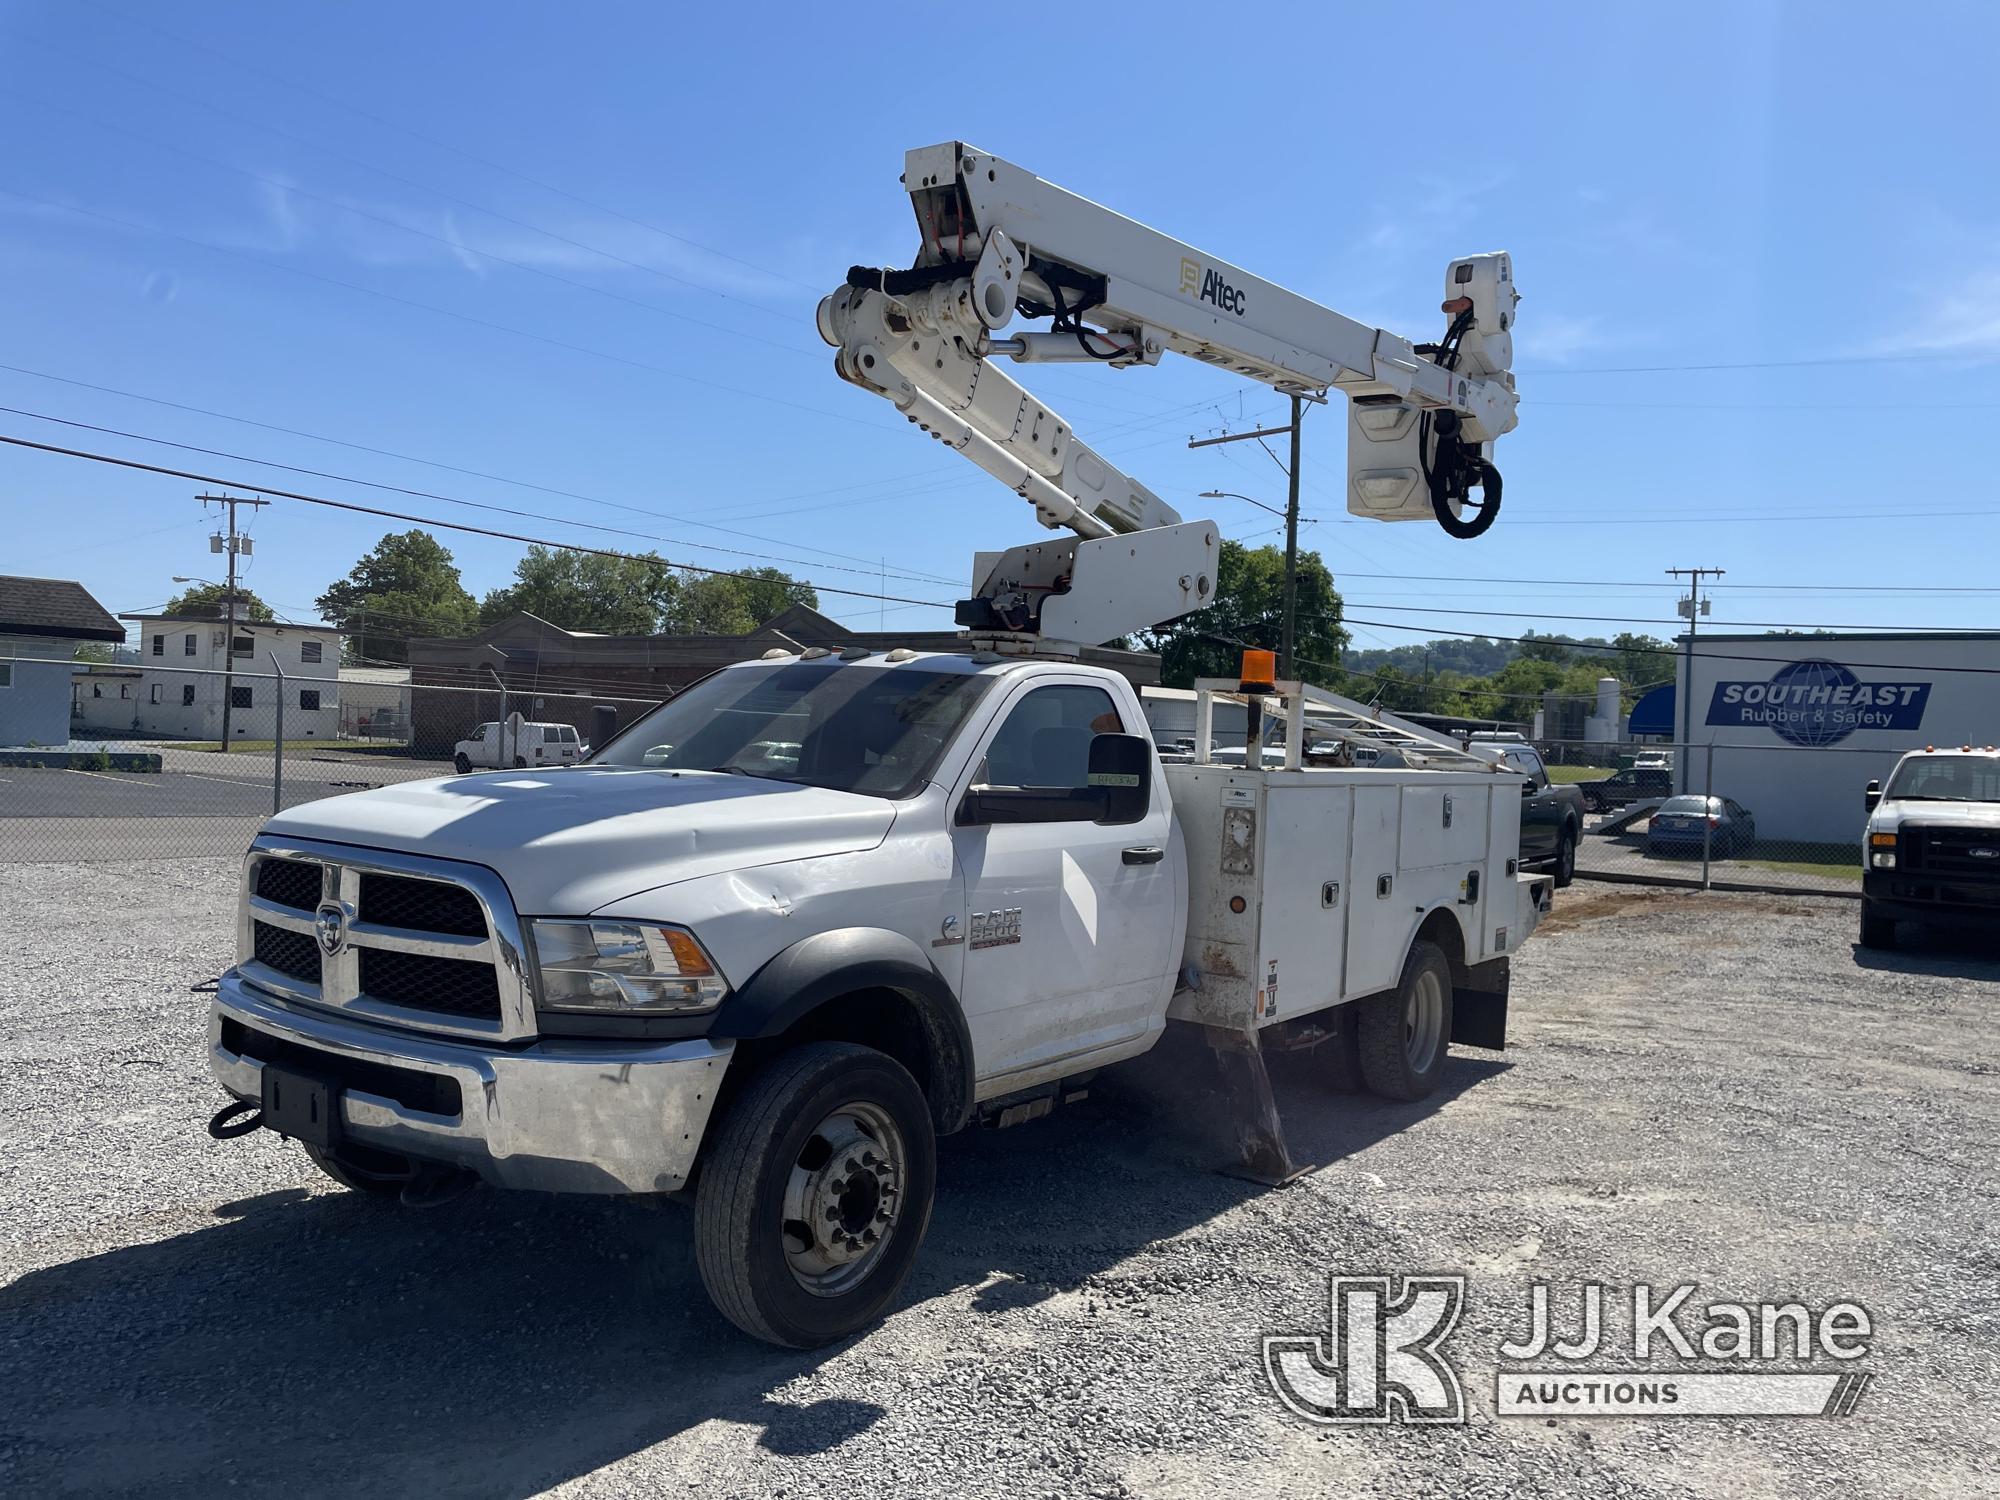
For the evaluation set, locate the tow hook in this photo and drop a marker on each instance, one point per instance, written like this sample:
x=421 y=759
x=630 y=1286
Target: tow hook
x=236 y=1118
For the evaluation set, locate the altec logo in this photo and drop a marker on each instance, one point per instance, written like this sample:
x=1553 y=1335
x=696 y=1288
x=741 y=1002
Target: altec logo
x=1818 y=703
x=1206 y=285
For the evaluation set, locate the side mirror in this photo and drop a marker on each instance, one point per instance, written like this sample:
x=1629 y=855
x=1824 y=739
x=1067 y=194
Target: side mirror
x=1527 y=789
x=1872 y=795
x=1121 y=771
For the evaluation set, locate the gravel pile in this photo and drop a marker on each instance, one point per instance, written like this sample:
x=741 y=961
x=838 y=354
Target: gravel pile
x=1701 y=1088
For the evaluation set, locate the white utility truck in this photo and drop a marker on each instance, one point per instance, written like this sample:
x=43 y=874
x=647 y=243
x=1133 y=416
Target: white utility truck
x=821 y=908
x=1933 y=844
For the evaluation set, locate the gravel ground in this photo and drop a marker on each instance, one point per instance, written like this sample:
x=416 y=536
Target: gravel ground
x=1702 y=1088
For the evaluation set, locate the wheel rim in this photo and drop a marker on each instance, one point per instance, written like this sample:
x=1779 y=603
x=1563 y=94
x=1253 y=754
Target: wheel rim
x=844 y=1198
x=1565 y=857
x=1423 y=1021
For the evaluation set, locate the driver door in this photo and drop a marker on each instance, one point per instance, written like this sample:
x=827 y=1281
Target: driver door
x=1070 y=935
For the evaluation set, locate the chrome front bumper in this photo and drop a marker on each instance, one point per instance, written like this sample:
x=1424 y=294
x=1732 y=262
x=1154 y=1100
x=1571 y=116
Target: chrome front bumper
x=556 y=1116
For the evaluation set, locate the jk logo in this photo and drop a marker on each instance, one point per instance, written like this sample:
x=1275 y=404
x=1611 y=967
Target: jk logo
x=1379 y=1360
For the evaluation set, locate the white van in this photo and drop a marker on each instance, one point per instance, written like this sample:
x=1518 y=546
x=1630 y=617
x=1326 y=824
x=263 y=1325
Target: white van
x=534 y=745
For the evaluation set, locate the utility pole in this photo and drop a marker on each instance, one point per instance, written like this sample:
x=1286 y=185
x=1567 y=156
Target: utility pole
x=1693 y=607
x=1291 y=551
x=236 y=545
x=1288 y=625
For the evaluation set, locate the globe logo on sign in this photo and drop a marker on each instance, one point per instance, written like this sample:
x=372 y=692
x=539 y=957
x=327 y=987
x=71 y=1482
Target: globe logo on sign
x=1813 y=725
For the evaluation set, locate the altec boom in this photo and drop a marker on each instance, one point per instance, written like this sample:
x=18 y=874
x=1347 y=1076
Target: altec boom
x=997 y=243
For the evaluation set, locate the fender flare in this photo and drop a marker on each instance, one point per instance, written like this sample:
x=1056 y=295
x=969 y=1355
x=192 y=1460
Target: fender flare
x=822 y=968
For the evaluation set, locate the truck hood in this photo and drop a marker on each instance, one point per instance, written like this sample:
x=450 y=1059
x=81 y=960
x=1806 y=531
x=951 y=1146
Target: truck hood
x=569 y=841
x=1889 y=816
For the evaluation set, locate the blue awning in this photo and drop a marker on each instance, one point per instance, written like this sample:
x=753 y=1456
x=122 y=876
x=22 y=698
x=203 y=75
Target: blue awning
x=1653 y=713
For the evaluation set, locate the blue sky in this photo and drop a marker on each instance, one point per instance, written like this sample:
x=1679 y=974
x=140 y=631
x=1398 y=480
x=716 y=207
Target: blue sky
x=301 y=215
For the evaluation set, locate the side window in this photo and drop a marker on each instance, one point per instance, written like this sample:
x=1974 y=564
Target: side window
x=1045 y=740
x=1532 y=764
x=309 y=698
x=159 y=645
x=187 y=645
x=309 y=651
x=187 y=695
x=240 y=697
x=155 y=695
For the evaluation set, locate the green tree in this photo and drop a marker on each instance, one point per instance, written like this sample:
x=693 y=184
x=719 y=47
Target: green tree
x=1542 y=648
x=732 y=603
x=406 y=586
x=585 y=591
x=203 y=601
x=1249 y=606
x=97 y=651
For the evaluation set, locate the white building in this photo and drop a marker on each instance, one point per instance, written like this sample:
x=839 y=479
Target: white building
x=176 y=687
x=1800 y=725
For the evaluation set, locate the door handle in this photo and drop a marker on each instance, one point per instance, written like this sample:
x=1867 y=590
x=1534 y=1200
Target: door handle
x=1145 y=854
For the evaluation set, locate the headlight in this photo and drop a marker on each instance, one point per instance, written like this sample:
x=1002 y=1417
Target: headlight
x=625 y=968
x=1882 y=850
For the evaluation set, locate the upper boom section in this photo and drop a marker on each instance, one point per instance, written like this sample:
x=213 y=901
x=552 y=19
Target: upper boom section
x=997 y=242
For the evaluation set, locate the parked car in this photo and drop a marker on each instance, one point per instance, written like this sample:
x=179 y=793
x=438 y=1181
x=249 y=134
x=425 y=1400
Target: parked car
x=535 y=745
x=1933 y=844
x=1551 y=812
x=1680 y=824
x=1634 y=784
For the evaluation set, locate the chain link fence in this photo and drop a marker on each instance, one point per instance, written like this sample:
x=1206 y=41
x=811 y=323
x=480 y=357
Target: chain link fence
x=1761 y=817
x=144 y=775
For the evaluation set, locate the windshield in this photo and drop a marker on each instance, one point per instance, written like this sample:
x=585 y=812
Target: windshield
x=1947 y=778
x=878 y=730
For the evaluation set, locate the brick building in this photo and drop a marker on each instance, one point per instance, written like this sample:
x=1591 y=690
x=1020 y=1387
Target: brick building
x=558 y=676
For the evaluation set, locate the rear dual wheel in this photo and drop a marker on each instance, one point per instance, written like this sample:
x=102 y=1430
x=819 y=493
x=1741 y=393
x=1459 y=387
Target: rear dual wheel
x=1405 y=1033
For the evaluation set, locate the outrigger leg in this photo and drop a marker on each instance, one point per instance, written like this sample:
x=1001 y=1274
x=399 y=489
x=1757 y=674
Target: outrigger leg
x=1246 y=1083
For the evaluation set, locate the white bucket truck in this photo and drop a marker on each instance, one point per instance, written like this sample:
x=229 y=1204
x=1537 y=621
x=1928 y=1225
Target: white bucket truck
x=819 y=909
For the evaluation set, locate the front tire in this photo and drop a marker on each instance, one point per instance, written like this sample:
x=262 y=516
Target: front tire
x=1406 y=1032
x=1877 y=931
x=815 y=1194
x=1565 y=870
x=462 y=763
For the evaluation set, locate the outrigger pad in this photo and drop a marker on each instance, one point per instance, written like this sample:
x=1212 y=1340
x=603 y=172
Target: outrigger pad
x=1479 y=1006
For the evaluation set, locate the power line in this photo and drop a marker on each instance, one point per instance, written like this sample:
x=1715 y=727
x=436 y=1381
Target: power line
x=431 y=463
x=396 y=489
x=1654 y=583
x=1508 y=614
x=370 y=510
x=1557 y=640
x=1913 y=357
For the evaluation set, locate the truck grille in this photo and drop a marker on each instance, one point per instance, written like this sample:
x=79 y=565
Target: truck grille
x=437 y=950
x=1963 y=853
x=451 y=986
x=292 y=954
x=289 y=882
x=421 y=905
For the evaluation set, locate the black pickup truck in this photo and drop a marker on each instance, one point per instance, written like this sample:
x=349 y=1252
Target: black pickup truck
x=1551 y=813
x=1634 y=784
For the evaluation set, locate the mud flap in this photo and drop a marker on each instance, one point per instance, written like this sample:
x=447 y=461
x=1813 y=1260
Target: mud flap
x=1262 y=1155
x=1479 y=1006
